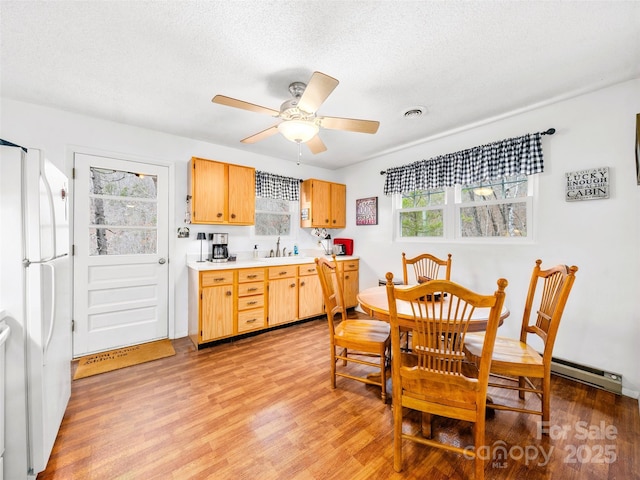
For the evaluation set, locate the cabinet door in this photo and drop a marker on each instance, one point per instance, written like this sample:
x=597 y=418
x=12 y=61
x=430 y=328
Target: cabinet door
x=283 y=300
x=217 y=312
x=208 y=191
x=321 y=204
x=350 y=280
x=338 y=205
x=242 y=195
x=310 y=301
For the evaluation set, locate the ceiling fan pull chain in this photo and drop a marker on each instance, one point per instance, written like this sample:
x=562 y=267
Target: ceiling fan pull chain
x=299 y=151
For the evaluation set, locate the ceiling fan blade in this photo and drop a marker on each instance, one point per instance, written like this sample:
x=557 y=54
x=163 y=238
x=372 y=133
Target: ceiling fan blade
x=316 y=145
x=318 y=89
x=233 y=102
x=261 y=135
x=349 y=124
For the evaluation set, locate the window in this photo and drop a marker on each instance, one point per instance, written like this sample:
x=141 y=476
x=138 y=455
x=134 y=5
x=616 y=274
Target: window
x=122 y=213
x=496 y=209
x=273 y=217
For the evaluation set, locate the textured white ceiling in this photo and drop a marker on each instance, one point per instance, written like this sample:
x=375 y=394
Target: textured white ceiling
x=157 y=64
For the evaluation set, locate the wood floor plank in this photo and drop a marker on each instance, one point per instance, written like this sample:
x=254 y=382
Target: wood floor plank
x=263 y=408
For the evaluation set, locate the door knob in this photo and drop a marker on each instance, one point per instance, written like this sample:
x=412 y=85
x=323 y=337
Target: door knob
x=162 y=261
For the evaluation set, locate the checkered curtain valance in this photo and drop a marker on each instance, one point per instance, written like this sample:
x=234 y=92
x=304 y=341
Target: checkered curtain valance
x=518 y=155
x=269 y=185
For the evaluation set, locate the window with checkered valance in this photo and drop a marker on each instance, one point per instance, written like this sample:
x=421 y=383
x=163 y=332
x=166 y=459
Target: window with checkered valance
x=513 y=156
x=278 y=187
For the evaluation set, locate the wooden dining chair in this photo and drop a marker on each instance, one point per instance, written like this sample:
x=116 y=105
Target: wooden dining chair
x=515 y=360
x=425 y=267
x=435 y=378
x=365 y=342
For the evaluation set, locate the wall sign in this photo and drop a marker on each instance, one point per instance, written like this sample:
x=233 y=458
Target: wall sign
x=367 y=211
x=592 y=184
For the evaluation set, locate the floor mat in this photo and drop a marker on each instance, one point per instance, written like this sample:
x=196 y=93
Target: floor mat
x=122 y=357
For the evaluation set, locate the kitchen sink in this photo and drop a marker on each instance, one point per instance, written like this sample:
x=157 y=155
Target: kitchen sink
x=286 y=260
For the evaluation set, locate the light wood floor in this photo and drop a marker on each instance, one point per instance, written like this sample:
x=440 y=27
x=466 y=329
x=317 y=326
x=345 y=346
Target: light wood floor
x=262 y=408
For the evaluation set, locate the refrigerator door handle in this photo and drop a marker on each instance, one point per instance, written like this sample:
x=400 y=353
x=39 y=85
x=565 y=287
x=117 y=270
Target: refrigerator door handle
x=52 y=315
x=5 y=330
x=26 y=262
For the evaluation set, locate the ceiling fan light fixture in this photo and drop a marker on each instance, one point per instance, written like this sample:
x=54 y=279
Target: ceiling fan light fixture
x=298 y=131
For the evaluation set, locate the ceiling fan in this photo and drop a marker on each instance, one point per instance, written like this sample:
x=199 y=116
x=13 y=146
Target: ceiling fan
x=300 y=124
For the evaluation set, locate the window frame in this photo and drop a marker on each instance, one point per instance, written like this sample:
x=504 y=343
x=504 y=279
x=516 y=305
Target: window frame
x=294 y=207
x=452 y=208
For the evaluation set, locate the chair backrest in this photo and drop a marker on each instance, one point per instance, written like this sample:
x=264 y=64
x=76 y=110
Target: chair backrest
x=439 y=334
x=332 y=290
x=556 y=285
x=425 y=267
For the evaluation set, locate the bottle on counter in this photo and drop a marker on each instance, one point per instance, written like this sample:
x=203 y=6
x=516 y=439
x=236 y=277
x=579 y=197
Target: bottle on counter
x=295 y=249
x=255 y=251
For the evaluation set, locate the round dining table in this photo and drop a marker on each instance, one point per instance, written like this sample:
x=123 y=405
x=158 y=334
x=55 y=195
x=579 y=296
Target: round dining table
x=374 y=302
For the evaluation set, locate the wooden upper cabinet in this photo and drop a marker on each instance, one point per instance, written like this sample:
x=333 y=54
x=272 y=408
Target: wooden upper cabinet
x=323 y=204
x=221 y=193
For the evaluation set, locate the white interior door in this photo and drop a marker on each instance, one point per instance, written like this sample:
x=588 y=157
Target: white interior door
x=121 y=245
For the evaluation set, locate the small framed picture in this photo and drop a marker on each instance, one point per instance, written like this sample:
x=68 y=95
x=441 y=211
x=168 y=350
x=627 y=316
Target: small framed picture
x=367 y=211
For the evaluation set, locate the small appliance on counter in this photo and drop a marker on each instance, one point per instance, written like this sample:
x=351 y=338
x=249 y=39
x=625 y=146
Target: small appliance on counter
x=219 y=251
x=343 y=246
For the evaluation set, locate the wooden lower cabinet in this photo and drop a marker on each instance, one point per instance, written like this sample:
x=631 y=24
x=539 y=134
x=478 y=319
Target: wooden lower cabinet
x=351 y=281
x=251 y=299
x=217 y=301
x=310 y=302
x=283 y=294
x=229 y=302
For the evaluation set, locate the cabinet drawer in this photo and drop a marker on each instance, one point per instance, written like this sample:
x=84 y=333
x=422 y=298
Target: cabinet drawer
x=282 y=271
x=245 y=303
x=256 y=288
x=250 y=319
x=208 y=279
x=309 y=269
x=350 y=265
x=251 y=275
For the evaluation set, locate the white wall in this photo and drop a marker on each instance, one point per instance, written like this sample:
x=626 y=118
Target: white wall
x=59 y=134
x=601 y=325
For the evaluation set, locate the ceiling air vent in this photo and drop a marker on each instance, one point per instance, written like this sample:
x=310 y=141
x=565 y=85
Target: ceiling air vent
x=414 y=112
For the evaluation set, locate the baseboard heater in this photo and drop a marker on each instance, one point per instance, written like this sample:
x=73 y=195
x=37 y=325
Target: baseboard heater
x=611 y=382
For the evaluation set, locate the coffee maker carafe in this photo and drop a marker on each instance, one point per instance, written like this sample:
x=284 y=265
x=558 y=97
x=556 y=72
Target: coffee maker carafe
x=219 y=251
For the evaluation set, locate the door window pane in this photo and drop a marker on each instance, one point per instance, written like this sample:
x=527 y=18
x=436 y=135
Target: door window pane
x=123 y=213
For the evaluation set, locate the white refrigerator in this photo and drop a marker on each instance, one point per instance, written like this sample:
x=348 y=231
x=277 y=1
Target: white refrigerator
x=35 y=295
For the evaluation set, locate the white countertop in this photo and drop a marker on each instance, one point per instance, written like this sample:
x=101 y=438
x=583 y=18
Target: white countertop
x=263 y=262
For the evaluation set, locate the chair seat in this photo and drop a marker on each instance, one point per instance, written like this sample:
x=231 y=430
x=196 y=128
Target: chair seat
x=510 y=356
x=372 y=331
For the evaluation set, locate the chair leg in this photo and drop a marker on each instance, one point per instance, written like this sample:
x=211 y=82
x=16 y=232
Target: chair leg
x=478 y=434
x=546 y=407
x=383 y=372
x=333 y=366
x=522 y=384
x=397 y=435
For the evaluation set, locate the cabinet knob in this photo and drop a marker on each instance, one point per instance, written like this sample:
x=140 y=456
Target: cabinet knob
x=252 y=276
x=253 y=289
x=302 y=284
x=293 y=285
x=233 y=215
x=326 y=220
x=219 y=215
x=252 y=303
x=228 y=294
x=282 y=273
x=334 y=221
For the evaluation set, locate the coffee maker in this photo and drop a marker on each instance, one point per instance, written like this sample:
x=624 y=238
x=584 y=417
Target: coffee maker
x=219 y=251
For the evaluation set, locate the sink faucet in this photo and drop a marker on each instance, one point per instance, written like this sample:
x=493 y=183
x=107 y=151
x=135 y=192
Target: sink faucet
x=278 y=247
x=284 y=250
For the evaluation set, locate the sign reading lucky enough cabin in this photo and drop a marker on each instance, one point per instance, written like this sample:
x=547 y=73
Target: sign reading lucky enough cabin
x=587 y=184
